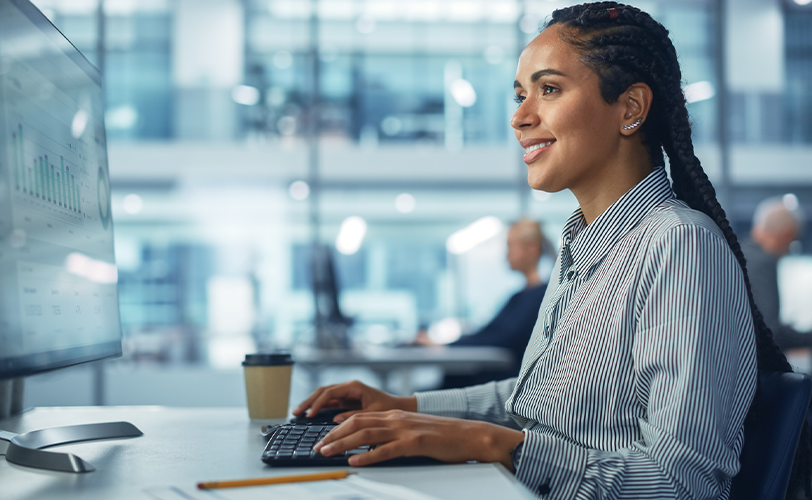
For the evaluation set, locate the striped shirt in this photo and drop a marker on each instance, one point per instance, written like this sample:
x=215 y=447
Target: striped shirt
x=641 y=366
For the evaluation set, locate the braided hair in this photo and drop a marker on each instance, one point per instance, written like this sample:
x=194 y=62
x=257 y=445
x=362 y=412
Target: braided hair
x=624 y=45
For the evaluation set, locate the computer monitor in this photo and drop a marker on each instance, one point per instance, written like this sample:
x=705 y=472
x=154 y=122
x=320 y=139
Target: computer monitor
x=331 y=324
x=58 y=279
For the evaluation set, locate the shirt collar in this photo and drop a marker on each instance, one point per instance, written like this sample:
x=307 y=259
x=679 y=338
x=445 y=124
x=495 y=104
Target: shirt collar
x=584 y=245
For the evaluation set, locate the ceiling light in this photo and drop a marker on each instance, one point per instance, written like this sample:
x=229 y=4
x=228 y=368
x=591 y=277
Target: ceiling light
x=477 y=232
x=463 y=92
x=529 y=24
x=299 y=190
x=133 y=204
x=246 y=95
x=282 y=59
x=699 y=91
x=790 y=201
x=405 y=203
x=351 y=234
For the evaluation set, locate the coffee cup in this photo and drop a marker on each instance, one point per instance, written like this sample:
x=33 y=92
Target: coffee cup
x=267 y=384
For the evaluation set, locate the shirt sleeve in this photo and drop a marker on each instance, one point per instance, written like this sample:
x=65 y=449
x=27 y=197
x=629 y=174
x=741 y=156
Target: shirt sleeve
x=695 y=371
x=484 y=402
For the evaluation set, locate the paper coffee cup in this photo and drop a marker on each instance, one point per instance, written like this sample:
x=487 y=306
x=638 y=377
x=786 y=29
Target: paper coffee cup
x=267 y=384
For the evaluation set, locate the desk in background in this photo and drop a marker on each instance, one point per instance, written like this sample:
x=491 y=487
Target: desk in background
x=182 y=446
x=386 y=362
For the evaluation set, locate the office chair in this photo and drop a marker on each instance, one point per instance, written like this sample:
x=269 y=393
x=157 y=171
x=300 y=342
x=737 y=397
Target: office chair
x=771 y=438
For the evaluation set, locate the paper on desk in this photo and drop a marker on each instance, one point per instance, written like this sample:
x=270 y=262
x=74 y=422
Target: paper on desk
x=352 y=488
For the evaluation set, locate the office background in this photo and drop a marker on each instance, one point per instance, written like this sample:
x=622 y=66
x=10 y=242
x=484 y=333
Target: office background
x=240 y=131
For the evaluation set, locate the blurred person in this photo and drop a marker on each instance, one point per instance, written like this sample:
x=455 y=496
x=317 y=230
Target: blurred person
x=775 y=227
x=512 y=326
x=643 y=363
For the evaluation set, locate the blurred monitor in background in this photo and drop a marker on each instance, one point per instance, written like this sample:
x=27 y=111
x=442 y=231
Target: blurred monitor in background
x=513 y=325
x=795 y=290
x=776 y=225
x=331 y=324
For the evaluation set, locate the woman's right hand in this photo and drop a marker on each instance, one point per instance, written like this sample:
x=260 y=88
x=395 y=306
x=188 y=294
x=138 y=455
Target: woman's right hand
x=356 y=398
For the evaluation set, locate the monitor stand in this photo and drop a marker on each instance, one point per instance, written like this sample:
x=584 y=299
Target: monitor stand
x=26 y=448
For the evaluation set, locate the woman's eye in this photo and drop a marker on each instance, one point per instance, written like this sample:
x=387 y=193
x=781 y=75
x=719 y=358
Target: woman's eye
x=547 y=90
x=518 y=99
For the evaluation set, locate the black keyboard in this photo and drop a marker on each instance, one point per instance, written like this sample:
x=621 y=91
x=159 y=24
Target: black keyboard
x=291 y=445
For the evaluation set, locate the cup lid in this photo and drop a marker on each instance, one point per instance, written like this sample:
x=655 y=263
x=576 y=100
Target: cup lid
x=268 y=359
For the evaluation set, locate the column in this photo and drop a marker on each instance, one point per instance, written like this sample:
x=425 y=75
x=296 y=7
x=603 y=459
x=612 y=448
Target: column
x=51 y=183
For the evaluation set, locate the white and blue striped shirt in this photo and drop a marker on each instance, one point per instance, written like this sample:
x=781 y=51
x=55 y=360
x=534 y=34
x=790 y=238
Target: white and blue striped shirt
x=642 y=364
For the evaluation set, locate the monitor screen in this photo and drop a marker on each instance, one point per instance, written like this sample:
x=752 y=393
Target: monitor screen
x=58 y=279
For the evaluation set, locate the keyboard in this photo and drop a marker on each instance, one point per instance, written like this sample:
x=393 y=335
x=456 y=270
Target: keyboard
x=291 y=445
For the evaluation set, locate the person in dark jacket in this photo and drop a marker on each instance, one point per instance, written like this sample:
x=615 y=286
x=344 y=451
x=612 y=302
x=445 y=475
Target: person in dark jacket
x=512 y=326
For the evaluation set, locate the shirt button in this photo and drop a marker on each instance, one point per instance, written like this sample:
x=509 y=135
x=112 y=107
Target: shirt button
x=544 y=489
x=570 y=275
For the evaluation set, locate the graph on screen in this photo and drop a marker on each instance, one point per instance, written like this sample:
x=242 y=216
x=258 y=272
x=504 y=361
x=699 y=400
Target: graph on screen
x=47 y=181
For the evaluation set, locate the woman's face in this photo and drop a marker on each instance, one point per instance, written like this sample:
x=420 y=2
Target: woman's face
x=569 y=133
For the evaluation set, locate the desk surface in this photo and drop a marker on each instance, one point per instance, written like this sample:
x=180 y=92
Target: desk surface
x=182 y=446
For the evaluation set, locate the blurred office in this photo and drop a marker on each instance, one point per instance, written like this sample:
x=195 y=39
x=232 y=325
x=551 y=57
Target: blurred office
x=241 y=131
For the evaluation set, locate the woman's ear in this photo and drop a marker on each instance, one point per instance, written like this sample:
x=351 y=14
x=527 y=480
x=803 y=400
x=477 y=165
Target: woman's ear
x=636 y=105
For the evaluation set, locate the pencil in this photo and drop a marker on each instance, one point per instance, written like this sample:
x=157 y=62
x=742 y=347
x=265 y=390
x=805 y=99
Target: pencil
x=323 y=476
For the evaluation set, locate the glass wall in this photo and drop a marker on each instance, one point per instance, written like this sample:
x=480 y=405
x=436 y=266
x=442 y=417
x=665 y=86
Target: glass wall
x=209 y=107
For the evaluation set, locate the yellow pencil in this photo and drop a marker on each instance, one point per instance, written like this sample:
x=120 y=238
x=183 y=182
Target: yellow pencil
x=323 y=476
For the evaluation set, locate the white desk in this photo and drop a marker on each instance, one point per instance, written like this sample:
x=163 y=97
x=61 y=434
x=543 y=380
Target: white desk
x=386 y=362
x=182 y=446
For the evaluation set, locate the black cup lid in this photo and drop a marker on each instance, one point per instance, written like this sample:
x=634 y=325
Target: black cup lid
x=268 y=359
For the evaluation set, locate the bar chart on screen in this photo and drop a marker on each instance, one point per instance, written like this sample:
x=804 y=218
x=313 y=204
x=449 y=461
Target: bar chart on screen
x=43 y=176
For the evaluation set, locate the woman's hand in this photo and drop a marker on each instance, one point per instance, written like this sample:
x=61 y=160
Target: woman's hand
x=354 y=396
x=401 y=434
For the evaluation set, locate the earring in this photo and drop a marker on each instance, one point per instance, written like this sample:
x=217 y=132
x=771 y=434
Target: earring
x=632 y=125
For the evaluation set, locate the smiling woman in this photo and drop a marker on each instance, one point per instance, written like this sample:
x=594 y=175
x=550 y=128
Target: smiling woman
x=642 y=364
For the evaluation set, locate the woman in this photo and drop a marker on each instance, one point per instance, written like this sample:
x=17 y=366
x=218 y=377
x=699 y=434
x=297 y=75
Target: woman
x=642 y=365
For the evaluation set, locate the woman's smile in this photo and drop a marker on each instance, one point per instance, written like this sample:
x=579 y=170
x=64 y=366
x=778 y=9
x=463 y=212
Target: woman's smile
x=535 y=149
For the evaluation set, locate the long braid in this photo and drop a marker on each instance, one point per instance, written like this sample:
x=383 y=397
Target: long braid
x=625 y=45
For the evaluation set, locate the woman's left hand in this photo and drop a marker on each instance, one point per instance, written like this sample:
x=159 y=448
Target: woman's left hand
x=403 y=434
